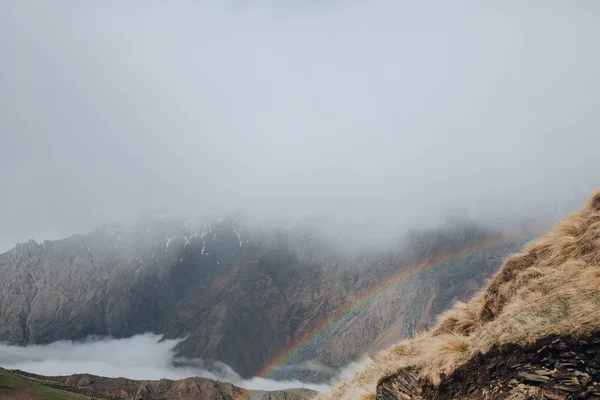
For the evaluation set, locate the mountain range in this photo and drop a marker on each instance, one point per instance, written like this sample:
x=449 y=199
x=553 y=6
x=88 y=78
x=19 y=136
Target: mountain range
x=287 y=303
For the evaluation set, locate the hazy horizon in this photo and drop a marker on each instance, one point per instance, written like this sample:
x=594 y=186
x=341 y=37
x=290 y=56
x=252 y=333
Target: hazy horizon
x=386 y=112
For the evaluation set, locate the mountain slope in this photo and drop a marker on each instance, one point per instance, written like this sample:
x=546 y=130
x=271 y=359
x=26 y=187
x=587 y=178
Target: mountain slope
x=542 y=308
x=184 y=389
x=240 y=296
x=14 y=386
x=22 y=385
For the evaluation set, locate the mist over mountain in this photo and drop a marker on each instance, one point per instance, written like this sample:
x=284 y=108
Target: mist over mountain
x=230 y=292
x=383 y=113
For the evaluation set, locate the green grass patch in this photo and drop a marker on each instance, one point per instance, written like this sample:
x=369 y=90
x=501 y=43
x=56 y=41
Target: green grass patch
x=48 y=390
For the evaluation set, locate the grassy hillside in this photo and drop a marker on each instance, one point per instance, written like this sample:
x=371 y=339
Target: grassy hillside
x=15 y=386
x=25 y=386
x=551 y=288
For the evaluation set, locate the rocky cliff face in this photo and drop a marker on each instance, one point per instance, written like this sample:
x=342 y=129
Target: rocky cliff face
x=401 y=310
x=238 y=296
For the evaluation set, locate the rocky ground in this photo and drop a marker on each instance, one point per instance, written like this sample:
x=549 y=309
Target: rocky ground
x=555 y=368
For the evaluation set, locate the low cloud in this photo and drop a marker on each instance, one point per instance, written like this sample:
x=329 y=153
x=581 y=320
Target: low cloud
x=141 y=357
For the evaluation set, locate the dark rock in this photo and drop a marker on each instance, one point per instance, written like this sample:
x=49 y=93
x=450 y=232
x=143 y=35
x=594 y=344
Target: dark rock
x=565 y=388
x=532 y=378
x=567 y=354
x=491 y=376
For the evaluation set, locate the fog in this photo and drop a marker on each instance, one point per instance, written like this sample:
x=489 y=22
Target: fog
x=140 y=357
x=387 y=112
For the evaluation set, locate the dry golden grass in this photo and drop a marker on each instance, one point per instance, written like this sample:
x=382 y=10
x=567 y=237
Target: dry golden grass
x=551 y=288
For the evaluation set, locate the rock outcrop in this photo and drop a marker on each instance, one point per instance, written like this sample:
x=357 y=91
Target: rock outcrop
x=556 y=368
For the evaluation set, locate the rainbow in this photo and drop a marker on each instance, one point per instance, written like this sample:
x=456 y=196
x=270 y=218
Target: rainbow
x=400 y=276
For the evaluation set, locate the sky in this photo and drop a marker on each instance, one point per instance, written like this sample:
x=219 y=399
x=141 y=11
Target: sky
x=140 y=357
x=384 y=111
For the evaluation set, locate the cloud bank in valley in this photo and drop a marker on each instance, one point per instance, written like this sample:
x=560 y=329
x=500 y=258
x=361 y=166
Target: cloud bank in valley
x=382 y=111
x=141 y=357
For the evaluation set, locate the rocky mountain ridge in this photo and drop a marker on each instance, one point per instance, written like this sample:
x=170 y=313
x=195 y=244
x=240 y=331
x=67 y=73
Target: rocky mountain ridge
x=19 y=384
x=239 y=296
